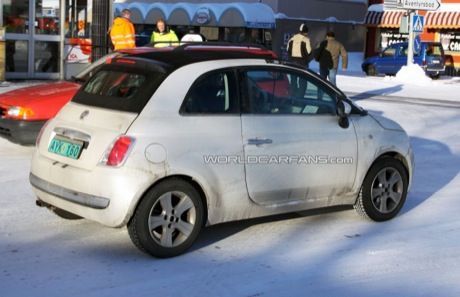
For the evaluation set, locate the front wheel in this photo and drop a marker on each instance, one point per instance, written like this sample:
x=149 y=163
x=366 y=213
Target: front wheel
x=168 y=219
x=384 y=190
x=371 y=71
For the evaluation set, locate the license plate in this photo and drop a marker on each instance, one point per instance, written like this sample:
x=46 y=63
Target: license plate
x=435 y=61
x=70 y=149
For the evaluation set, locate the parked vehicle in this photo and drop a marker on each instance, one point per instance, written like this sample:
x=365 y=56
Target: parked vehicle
x=23 y=112
x=431 y=58
x=169 y=142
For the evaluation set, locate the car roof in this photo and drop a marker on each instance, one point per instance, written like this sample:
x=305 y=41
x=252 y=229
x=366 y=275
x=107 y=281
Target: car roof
x=177 y=57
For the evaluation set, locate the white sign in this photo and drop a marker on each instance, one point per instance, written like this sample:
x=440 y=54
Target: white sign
x=419 y=4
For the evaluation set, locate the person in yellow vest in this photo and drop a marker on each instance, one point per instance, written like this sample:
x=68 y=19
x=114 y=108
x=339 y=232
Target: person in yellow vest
x=122 y=32
x=163 y=36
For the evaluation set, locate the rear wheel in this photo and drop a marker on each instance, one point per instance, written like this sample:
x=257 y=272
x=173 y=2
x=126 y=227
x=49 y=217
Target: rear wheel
x=384 y=190
x=371 y=71
x=168 y=219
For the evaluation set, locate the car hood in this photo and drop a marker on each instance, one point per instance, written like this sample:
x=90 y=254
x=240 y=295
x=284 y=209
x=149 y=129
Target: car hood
x=386 y=123
x=34 y=94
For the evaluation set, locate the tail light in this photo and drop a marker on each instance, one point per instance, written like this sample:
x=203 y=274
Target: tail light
x=117 y=153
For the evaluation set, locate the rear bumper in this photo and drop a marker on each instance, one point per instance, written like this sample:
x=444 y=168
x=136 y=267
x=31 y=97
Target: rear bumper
x=435 y=71
x=69 y=195
x=20 y=131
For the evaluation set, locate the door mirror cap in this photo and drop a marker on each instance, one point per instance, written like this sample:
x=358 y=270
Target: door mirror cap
x=343 y=111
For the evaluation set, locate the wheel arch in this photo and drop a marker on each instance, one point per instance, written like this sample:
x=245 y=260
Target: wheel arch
x=362 y=202
x=397 y=156
x=394 y=155
x=186 y=178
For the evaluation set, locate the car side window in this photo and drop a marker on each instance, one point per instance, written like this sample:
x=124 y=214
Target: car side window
x=389 y=52
x=211 y=94
x=287 y=92
x=403 y=51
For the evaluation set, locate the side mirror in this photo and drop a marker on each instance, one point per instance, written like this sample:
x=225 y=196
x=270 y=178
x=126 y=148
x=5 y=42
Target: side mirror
x=343 y=111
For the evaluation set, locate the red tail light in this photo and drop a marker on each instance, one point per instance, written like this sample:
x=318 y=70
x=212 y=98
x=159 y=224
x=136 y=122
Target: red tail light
x=118 y=152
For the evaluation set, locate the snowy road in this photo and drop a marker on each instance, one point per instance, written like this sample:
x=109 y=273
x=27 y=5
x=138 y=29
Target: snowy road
x=328 y=254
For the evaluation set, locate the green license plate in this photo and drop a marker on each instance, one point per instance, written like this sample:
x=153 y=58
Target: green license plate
x=65 y=148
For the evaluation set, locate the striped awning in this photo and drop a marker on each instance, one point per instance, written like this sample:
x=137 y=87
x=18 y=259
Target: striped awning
x=385 y=19
x=442 y=20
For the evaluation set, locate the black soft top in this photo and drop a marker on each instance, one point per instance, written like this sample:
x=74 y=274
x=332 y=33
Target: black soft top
x=181 y=56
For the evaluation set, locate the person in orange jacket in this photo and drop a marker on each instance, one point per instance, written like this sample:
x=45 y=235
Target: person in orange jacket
x=122 y=32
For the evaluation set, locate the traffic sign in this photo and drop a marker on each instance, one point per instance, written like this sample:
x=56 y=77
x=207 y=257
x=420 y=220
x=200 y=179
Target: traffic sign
x=419 y=4
x=418 y=23
x=417 y=44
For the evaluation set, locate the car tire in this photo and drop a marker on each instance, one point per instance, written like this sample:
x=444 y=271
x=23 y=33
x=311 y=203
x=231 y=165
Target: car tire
x=384 y=190
x=65 y=214
x=168 y=219
x=435 y=76
x=371 y=71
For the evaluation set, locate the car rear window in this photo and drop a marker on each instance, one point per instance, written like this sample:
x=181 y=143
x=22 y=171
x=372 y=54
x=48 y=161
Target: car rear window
x=433 y=50
x=120 y=88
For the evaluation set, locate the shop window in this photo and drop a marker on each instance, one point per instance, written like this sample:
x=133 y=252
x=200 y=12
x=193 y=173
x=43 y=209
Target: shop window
x=16 y=56
x=47 y=17
x=46 y=56
x=15 y=17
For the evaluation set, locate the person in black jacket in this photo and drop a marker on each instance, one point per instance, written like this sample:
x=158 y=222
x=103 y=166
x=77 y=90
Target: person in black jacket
x=324 y=57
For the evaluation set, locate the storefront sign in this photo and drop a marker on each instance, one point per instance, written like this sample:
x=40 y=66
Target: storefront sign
x=388 y=38
x=451 y=42
x=260 y=25
x=78 y=50
x=202 y=16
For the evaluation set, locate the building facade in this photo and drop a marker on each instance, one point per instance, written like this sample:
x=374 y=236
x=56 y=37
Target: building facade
x=49 y=39
x=383 y=23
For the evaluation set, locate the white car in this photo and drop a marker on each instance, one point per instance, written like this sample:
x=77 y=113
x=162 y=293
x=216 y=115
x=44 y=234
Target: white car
x=168 y=142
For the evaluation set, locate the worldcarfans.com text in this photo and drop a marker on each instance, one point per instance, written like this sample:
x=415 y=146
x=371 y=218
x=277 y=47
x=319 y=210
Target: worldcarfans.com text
x=235 y=159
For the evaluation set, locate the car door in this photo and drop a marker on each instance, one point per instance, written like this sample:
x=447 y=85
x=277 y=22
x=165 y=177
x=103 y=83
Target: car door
x=387 y=60
x=293 y=145
x=400 y=59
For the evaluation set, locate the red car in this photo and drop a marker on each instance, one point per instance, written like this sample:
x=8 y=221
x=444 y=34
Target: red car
x=23 y=112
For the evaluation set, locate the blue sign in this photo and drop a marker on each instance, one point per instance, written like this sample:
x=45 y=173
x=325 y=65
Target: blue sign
x=418 y=23
x=417 y=44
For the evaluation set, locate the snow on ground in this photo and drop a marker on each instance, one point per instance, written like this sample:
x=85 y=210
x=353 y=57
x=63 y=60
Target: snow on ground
x=301 y=254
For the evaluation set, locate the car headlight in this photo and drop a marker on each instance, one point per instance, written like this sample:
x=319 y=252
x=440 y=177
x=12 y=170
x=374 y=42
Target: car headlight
x=20 y=112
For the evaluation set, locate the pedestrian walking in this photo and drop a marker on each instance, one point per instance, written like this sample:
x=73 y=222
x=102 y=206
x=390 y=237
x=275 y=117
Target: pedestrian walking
x=299 y=50
x=337 y=51
x=299 y=47
x=324 y=58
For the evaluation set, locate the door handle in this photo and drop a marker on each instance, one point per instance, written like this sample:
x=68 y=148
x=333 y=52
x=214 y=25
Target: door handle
x=259 y=141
